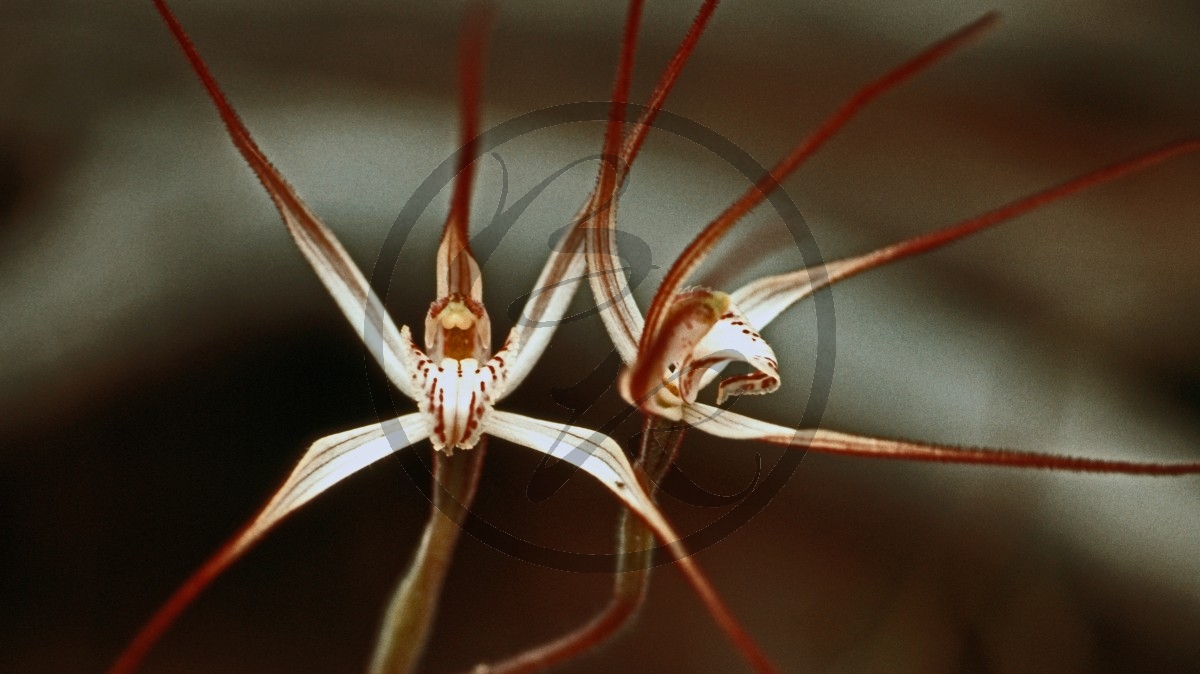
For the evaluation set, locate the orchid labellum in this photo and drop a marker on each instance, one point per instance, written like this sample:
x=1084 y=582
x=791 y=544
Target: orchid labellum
x=455 y=381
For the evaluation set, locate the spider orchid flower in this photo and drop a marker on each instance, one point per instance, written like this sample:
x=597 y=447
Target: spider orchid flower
x=694 y=333
x=455 y=381
x=690 y=334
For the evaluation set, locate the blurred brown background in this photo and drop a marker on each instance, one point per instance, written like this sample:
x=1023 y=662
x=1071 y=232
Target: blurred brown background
x=165 y=355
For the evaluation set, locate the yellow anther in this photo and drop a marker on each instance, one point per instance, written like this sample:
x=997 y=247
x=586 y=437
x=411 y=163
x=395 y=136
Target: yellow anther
x=456 y=316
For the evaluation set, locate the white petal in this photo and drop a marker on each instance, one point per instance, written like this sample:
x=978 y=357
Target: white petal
x=544 y=310
x=726 y=424
x=619 y=312
x=328 y=258
x=350 y=290
x=761 y=301
x=327 y=462
x=596 y=453
x=764 y=299
x=602 y=458
x=331 y=460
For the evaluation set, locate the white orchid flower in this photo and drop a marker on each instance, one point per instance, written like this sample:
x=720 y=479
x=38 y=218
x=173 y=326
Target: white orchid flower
x=689 y=335
x=455 y=381
x=692 y=334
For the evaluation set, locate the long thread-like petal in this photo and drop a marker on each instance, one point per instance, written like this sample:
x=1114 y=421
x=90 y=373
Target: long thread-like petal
x=659 y=447
x=327 y=462
x=565 y=269
x=320 y=247
x=764 y=299
x=666 y=82
x=457 y=271
x=552 y=294
x=621 y=316
x=702 y=245
x=603 y=459
x=726 y=424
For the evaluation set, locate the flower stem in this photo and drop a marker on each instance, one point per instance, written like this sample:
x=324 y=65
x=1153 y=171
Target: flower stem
x=414 y=603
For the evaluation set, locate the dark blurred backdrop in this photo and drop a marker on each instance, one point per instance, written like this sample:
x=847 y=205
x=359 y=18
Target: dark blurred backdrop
x=166 y=355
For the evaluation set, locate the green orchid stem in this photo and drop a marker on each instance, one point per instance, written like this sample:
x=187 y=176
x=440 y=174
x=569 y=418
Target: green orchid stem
x=413 y=606
x=660 y=442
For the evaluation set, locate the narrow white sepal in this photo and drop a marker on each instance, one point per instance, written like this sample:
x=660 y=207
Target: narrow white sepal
x=594 y=453
x=544 y=310
x=331 y=460
x=620 y=314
